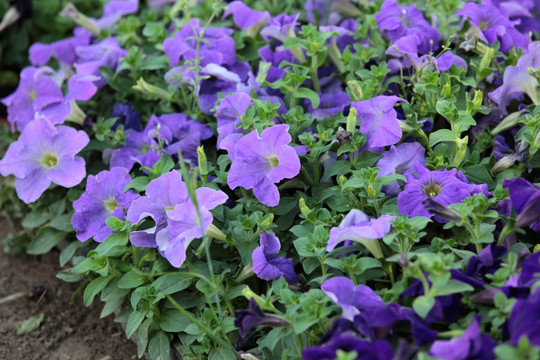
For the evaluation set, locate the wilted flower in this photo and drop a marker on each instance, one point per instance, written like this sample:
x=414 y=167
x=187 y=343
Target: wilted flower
x=44 y=153
x=269 y=267
x=258 y=162
x=104 y=197
x=356 y=226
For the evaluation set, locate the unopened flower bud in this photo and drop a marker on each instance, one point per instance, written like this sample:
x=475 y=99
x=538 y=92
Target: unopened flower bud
x=268 y=221
x=438 y=209
x=371 y=191
x=446 y=90
x=76 y=115
x=71 y=12
x=503 y=164
x=346 y=8
x=10 y=17
x=304 y=209
x=214 y=232
x=202 y=160
x=151 y=90
x=461 y=150
x=264 y=67
x=342 y=179
x=355 y=90
x=351 y=120
x=508 y=122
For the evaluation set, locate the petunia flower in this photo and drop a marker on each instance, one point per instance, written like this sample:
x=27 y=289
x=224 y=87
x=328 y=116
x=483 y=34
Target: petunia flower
x=365 y=350
x=228 y=114
x=330 y=105
x=91 y=57
x=269 y=267
x=217 y=47
x=486 y=262
x=258 y=162
x=444 y=186
x=356 y=226
x=323 y=10
x=127 y=115
x=253 y=316
x=519 y=286
x=523 y=320
x=396 y=22
x=470 y=345
x=525 y=198
x=63 y=50
x=104 y=197
x=280 y=28
x=44 y=153
x=399 y=160
x=352 y=299
x=245 y=17
x=379 y=120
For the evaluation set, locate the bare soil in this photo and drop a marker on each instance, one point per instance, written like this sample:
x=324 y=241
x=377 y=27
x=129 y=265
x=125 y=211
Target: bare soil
x=69 y=330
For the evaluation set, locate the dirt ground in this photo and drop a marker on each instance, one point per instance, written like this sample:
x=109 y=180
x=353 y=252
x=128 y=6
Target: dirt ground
x=69 y=330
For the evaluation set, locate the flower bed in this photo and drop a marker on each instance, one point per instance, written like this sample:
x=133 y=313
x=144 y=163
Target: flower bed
x=328 y=179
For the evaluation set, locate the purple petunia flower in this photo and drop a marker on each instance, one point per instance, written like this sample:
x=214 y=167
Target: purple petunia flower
x=245 y=17
x=365 y=350
x=269 y=267
x=517 y=80
x=258 y=162
x=253 y=316
x=217 y=48
x=280 y=28
x=104 y=197
x=114 y=10
x=352 y=299
x=519 y=286
x=275 y=57
x=487 y=261
x=91 y=57
x=523 y=320
x=63 y=50
x=444 y=186
x=127 y=115
x=399 y=160
x=321 y=12
x=379 y=120
x=228 y=114
x=493 y=25
x=525 y=198
x=330 y=105
x=356 y=226
x=470 y=345
x=44 y=153
x=396 y=22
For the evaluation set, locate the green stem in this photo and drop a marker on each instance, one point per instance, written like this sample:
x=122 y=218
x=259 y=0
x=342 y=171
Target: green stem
x=314 y=74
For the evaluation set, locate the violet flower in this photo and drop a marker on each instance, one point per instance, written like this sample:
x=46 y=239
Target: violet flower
x=470 y=345
x=323 y=10
x=114 y=10
x=104 y=197
x=275 y=57
x=396 y=22
x=399 y=160
x=228 y=114
x=44 y=153
x=493 y=25
x=525 y=198
x=486 y=262
x=280 y=28
x=523 y=320
x=519 y=286
x=356 y=226
x=217 y=48
x=330 y=105
x=379 y=120
x=258 y=162
x=253 y=316
x=63 y=50
x=91 y=57
x=444 y=186
x=352 y=299
x=127 y=115
x=137 y=150
x=269 y=267
x=244 y=17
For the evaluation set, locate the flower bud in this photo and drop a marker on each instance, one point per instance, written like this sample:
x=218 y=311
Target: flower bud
x=202 y=160
x=438 y=209
x=503 y=164
x=304 y=209
x=264 y=67
x=214 y=232
x=351 y=120
x=371 y=191
x=10 y=17
x=342 y=179
x=461 y=150
x=268 y=221
x=151 y=90
x=355 y=90
x=508 y=122
x=71 y=12
x=76 y=115
x=446 y=90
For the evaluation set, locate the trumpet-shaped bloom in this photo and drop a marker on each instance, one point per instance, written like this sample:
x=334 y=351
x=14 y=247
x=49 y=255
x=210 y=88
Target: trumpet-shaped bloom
x=253 y=316
x=269 y=267
x=63 y=50
x=523 y=320
x=244 y=17
x=258 y=162
x=228 y=114
x=91 y=57
x=104 y=197
x=44 y=154
x=525 y=198
x=444 y=186
x=356 y=226
x=379 y=120
x=377 y=350
x=399 y=160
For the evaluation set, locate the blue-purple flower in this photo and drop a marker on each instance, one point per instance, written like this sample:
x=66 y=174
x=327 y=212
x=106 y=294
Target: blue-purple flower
x=523 y=320
x=269 y=267
x=365 y=350
x=253 y=316
x=356 y=226
x=104 y=197
x=525 y=198
x=399 y=160
x=44 y=153
x=259 y=162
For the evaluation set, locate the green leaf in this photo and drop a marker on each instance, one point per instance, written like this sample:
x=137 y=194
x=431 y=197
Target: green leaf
x=159 y=346
x=478 y=174
x=45 y=239
x=422 y=305
x=139 y=184
x=35 y=219
x=222 y=354
x=171 y=283
x=173 y=321
x=448 y=110
x=134 y=321
x=453 y=287
x=69 y=251
x=93 y=288
x=142 y=337
x=114 y=223
x=308 y=94
x=30 y=324
x=113 y=240
x=340 y=167
x=440 y=136
x=62 y=223
x=68 y=277
x=130 y=280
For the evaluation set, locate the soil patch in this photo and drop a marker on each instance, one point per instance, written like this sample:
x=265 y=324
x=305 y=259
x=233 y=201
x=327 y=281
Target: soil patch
x=69 y=330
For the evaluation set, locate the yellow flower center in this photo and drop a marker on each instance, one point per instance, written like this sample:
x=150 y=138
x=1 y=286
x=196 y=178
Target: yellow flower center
x=110 y=204
x=432 y=189
x=273 y=160
x=49 y=160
